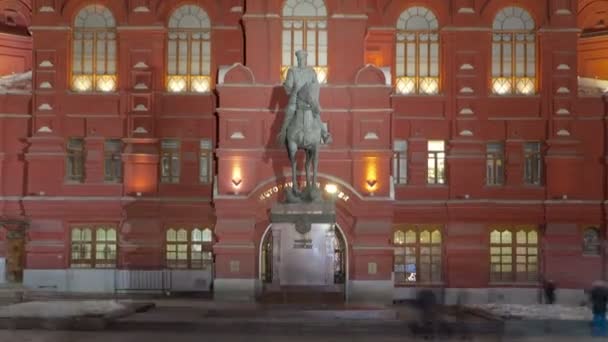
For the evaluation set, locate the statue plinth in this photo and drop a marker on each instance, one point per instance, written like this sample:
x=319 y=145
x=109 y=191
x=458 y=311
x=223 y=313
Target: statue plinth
x=302 y=215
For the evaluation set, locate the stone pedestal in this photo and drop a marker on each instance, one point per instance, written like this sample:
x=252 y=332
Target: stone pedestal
x=303 y=245
x=302 y=215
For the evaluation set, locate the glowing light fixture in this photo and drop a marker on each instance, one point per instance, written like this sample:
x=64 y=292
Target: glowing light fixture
x=237 y=177
x=331 y=188
x=371 y=183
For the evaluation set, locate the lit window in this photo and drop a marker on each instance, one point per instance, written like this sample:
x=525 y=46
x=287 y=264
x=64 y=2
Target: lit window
x=400 y=162
x=75 y=159
x=170 y=161
x=93 y=247
x=591 y=241
x=532 y=163
x=205 y=161
x=112 y=160
x=189 y=51
x=495 y=171
x=417 y=254
x=514 y=254
x=436 y=162
x=417 y=60
x=94 y=50
x=513 y=53
x=305 y=28
x=189 y=248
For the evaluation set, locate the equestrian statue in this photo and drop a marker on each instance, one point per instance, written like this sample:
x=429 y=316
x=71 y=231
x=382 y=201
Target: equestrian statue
x=302 y=128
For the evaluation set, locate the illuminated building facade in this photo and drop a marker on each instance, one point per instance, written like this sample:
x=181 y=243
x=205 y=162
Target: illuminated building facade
x=468 y=145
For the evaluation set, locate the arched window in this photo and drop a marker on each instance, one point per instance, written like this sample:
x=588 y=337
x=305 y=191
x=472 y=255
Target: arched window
x=189 y=50
x=190 y=248
x=591 y=241
x=418 y=254
x=514 y=254
x=513 y=53
x=305 y=28
x=94 y=50
x=417 y=52
x=93 y=247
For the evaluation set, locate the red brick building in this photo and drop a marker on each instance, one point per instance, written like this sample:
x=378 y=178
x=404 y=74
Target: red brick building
x=468 y=155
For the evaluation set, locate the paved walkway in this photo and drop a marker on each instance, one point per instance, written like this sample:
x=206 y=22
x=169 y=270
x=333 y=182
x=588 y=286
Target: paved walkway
x=236 y=336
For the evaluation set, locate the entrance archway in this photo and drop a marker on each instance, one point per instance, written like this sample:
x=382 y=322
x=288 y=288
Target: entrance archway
x=12 y=261
x=270 y=268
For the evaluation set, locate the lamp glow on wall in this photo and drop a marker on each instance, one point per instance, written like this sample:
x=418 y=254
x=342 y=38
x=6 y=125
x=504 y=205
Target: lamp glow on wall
x=371 y=175
x=237 y=177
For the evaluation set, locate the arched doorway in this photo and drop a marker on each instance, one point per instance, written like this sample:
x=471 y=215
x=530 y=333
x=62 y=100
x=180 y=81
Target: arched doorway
x=302 y=272
x=12 y=250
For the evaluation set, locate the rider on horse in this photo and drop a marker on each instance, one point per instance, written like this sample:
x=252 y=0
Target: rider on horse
x=297 y=78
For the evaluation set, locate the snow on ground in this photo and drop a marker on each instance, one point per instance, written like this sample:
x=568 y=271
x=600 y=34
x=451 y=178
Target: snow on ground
x=61 y=309
x=538 y=311
x=592 y=86
x=22 y=81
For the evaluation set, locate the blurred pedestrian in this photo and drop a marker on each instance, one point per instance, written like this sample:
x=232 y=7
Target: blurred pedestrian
x=599 y=300
x=427 y=304
x=549 y=289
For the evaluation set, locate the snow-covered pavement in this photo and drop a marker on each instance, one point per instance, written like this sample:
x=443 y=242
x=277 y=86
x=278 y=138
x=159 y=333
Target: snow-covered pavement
x=61 y=309
x=538 y=311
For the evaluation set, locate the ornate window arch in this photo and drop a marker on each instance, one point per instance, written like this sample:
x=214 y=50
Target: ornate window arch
x=189 y=50
x=513 y=52
x=94 y=50
x=305 y=27
x=417 y=52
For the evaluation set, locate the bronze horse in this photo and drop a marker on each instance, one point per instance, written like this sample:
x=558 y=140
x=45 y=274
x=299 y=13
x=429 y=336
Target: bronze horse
x=305 y=131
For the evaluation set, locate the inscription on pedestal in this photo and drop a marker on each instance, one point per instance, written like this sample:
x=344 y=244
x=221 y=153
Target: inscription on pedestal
x=302 y=244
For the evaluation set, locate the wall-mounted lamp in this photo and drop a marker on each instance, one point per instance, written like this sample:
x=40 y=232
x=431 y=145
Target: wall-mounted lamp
x=371 y=183
x=236 y=182
x=331 y=189
x=564 y=197
x=138 y=194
